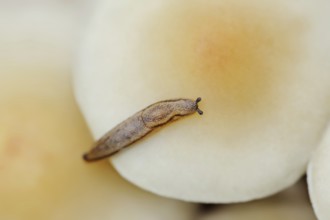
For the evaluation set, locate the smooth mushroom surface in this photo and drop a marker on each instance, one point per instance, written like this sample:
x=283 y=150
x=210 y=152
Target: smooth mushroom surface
x=319 y=179
x=43 y=134
x=261 y=68
x=290 y=204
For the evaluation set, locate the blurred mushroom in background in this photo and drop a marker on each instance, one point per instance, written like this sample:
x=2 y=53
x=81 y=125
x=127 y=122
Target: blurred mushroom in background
x=43 y=134
x=319 y=178
x=292 y=203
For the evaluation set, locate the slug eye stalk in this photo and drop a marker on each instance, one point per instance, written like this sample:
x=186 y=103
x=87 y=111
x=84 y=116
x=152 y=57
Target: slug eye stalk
x=197 y=109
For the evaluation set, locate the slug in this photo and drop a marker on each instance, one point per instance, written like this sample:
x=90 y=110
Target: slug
x=139 y=125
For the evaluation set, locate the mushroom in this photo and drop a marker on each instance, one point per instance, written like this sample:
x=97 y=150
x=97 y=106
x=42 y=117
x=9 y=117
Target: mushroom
x=290 y=204
x=261 y=68
x=42 y=132
x=319 y=180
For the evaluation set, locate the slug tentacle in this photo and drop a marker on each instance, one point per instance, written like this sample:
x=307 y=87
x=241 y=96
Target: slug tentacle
x=139 y=125
x=197 y=109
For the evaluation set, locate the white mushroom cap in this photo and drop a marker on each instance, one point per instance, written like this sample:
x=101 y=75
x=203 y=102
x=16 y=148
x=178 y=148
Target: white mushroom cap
x=319 y=179
x=261 y=68
x=42 y=133
x=288 y=205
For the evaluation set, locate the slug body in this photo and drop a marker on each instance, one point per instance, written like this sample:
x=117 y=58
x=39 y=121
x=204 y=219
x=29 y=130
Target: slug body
x=140 y=124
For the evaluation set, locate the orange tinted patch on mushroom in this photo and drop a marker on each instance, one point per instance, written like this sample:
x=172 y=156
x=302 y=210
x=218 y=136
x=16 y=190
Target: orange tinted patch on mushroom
x=235 y=53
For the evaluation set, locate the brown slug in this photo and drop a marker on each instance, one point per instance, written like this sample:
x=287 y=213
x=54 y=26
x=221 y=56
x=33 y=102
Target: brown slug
x=139 y=125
